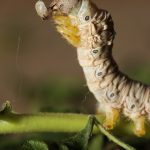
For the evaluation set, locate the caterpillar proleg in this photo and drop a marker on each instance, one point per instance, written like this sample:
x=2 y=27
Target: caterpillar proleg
x=91 y=31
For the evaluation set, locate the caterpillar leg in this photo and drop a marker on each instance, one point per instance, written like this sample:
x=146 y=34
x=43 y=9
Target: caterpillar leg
x=139 y=125
x=68 y=31
x=69 y=35
x=112 y=116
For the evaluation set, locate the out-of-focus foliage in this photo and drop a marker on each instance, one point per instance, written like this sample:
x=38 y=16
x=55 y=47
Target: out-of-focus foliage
x=79 y=141
x=60 y=96
x=141 y=73
x=34 y=145
x=97 y=143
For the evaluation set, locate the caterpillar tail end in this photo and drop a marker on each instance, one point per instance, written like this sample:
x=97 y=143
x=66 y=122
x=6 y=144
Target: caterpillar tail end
x=112 y=116
x=139 y=126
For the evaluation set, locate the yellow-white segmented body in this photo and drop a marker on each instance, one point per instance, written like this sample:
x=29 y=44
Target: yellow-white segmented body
x=91 y=30
x=114 y=91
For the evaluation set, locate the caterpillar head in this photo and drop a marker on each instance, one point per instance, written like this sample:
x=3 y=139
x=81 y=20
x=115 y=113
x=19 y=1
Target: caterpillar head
x=57 y=7
x=63 y=6
x=82 y=9
x=73 y=7
x=68 y=15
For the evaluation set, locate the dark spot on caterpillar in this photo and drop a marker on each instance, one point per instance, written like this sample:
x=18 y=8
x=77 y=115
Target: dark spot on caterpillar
x=95 y=51
x=87 y=18
x=99 y=73
x=112 y=95
x=45 y=17
x=137 y=101
x=61 y=6
x=133 y=106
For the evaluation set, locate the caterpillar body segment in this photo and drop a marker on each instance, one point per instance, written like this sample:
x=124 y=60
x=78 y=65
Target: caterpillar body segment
x=91 y=31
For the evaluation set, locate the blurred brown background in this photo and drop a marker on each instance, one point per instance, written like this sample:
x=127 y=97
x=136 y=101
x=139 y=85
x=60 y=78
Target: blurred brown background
x=43 y=55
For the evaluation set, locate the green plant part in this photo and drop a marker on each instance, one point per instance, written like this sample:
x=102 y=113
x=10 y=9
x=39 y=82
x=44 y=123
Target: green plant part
x=34 y=145
x=48 y=122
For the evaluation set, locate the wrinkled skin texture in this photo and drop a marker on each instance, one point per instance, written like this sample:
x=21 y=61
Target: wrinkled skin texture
x=91 y=31
x=64 y=6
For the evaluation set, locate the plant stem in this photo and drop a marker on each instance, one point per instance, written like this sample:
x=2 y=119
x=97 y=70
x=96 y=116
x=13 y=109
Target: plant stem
x=44 y=122
x=50 y=122
x=113 y=138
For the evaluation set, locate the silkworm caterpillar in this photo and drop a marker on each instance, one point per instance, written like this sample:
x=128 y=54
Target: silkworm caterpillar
x=91 y=31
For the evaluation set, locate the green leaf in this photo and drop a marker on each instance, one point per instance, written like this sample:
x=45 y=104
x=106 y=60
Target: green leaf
x=96 y=143
x=57 y=146
x=80 y=140
x=34 y=145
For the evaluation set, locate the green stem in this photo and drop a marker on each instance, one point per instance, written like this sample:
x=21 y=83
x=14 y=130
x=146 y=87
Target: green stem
x=44 y=122
x=11 y=122
x=49 y=122
x=113 y=138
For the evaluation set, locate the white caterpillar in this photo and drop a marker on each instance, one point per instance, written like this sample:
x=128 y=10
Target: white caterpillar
x=115 y=92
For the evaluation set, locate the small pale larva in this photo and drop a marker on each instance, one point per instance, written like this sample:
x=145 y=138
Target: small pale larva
x=41 y=10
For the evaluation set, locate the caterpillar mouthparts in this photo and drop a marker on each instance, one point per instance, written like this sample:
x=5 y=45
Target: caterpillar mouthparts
x=56 y=6
x=91 y=30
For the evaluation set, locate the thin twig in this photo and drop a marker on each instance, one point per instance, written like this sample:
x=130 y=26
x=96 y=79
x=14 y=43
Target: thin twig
x=18 y=67
x=18 y=51
x=113 y=138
